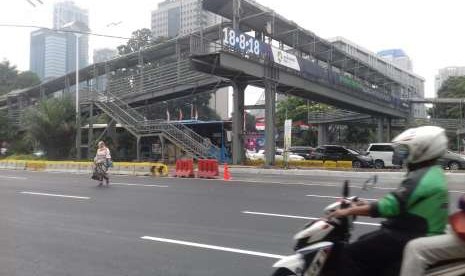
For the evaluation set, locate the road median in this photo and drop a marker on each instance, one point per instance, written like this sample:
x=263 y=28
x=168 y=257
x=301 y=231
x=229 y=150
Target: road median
x=124 y=168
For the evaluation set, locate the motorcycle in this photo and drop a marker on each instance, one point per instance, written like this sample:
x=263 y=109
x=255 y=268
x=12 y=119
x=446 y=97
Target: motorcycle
x=319 y=242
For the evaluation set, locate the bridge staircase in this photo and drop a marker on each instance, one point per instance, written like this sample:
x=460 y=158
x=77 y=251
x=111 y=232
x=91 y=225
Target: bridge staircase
x=133 y=121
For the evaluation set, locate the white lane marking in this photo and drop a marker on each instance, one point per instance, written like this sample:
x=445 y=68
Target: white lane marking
x=460 y=192
x=297 y=183
x=13 y=177
x=301 y=217
x=282 y=183
x=338 y=197
x=214 y=247
x=138 y=185
x=56 y=195
x=258 y=181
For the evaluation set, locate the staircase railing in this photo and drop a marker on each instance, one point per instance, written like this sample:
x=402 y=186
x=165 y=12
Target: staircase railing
x=179 y=134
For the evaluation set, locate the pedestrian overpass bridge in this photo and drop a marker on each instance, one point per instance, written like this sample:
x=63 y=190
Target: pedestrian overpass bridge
x=254 y=46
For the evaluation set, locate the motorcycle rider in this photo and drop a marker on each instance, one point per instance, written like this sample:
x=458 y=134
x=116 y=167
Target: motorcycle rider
x=417 y=208
x=422 y=252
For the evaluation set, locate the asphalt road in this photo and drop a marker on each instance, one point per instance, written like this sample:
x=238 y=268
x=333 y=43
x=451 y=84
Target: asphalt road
x=62 y=224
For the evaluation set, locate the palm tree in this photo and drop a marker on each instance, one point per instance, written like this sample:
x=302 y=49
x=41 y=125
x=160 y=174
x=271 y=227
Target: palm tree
x=51 y=125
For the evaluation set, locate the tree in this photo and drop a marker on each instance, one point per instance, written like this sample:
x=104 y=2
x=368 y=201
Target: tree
x=8 y=75
x=354 y=134
x=11 y=79
x=51 y=125
x=26 y=79
x=6 y=129
x=297 y=109
x=139 y=39
x=454 y=87
x=250 y=122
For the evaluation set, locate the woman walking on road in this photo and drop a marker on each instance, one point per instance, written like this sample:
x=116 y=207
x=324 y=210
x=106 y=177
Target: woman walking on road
x=102 y=161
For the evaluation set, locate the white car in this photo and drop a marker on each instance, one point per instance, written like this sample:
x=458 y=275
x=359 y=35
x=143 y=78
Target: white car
x=260 y=155
x=382 y=154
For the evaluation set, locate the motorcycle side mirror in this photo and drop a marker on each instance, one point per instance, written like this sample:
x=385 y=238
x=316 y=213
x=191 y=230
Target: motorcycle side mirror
x=345 y=189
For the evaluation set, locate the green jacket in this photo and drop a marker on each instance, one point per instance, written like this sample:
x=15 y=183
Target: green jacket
x=419 y=206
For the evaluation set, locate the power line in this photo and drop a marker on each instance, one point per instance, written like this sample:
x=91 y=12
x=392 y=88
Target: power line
x=64 y=31
x=34 y=4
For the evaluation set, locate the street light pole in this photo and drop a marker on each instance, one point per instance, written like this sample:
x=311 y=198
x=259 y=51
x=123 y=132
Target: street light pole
x=78 y=112
x=77 y=28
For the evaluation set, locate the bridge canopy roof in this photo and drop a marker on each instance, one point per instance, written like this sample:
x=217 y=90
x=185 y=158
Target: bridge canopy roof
x=150 y=53
x=259 y=18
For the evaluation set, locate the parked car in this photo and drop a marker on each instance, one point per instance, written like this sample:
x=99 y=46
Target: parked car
x=452 y=161
x=38 y=153
x=260 y=155
x=339 y=153
x=305 y=152
x=292 y=156
x=382 y=154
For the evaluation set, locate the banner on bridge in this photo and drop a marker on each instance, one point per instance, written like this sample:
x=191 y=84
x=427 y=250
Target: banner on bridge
x=285 y=59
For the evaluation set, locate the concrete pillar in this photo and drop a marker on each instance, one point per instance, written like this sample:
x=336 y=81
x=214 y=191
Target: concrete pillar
x=389 y=129
x=138 y=148
x=162 y=142
x=238 y=123
x=236 y=13
x=380 y=130
x=270 y=123
x=90 y=133
x=322 y=134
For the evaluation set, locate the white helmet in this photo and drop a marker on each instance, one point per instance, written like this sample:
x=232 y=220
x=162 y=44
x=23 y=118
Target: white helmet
x=423 y=143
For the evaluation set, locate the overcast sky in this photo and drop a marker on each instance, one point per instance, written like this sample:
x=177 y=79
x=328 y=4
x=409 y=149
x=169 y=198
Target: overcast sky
x=430 y=32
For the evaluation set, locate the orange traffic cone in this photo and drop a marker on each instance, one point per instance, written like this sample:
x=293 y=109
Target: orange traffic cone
x=226 y=174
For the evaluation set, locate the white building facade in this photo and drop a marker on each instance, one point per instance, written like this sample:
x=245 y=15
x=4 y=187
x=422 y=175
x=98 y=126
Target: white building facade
x=180 y=17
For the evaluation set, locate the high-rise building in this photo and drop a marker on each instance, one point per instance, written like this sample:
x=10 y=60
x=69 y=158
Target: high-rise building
x=66 y=11
x=445 y=73
x=53 y=53
x=398 y=57
x=104 y=54
x=180 y=17
x=48 y=51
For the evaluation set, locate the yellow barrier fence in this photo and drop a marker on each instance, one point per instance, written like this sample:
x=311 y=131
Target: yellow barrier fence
x=304 y=164
x=35 y=165
x=330 y=164
x=3 y=164
x=85 y=167
x=125 y=168
x=344 y=164
x=142 y=168
x=13 y=165
x=159 y=169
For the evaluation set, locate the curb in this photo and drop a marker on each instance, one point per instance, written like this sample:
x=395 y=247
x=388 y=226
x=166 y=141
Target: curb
x=123 y=168
x=321 y=172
